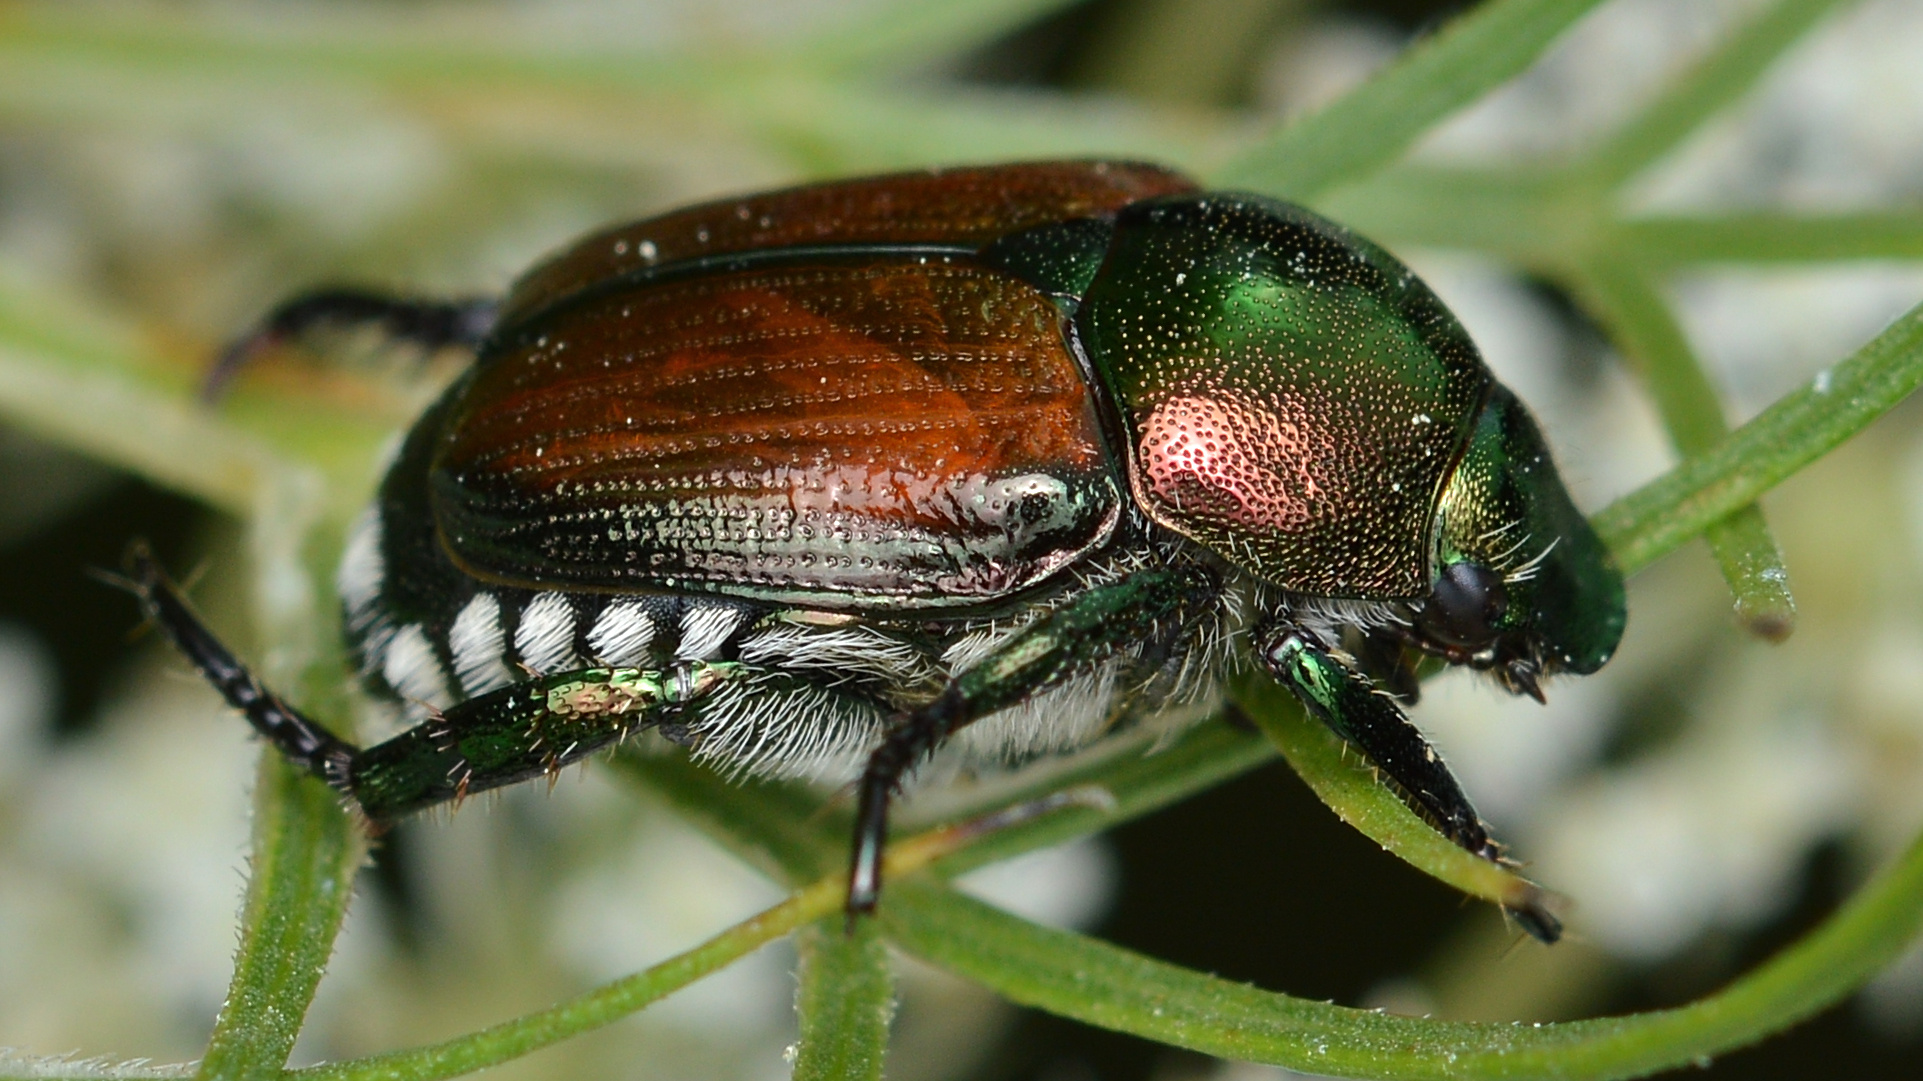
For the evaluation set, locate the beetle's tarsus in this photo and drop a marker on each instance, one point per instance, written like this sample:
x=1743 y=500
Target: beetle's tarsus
x=1537 y=921
x=302 y=741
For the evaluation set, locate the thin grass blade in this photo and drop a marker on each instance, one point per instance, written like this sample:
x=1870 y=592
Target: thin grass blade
x=1798 y=429
x=846 y=1002
x=1381 y=119
x=1100 y=984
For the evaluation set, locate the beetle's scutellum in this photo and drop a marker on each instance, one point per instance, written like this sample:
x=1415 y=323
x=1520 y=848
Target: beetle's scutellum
x=991 y=461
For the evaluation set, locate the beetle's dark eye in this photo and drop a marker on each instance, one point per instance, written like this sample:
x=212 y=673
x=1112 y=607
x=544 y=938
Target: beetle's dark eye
x=1465 y=606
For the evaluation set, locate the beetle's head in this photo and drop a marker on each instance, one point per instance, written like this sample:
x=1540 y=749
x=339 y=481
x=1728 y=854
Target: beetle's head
x=1523 y=587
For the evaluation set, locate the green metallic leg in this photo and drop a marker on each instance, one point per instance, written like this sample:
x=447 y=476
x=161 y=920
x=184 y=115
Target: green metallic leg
x=522 y=731
x=512 y=734
x=1371 y=721
x=1057 y=647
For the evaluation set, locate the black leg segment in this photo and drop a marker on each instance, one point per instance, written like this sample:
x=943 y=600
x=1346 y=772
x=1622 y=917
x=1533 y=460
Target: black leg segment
x=300 y=740
x=1057 y=647
x=429 y=324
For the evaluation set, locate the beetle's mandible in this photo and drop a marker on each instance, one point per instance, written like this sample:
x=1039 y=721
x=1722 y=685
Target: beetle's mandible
x=977 y=463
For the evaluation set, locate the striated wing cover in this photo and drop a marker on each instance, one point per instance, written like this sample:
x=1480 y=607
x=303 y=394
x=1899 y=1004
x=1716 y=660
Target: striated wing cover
x=855 y=431
x=967 y=207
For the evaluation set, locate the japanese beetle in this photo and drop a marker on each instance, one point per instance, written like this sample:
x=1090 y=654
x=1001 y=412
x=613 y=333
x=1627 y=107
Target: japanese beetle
x=988 y=461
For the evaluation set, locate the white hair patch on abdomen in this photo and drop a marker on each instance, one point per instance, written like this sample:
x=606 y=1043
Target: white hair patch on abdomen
x=363 y=571
x=477 y=641
x=545 y=638
x=706 y=628
x=412 y=669
x=622 y=634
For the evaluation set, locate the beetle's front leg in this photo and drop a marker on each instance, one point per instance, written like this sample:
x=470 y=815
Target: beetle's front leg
x=1369 y=719
x=1348 y=702
x=1056 y=647
x=511 y=734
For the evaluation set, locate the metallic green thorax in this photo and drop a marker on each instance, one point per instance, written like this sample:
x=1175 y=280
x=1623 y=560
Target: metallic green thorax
x=1294 y=397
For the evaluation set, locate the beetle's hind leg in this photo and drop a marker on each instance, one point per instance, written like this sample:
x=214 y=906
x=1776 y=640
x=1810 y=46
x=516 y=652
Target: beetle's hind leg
x=520 y=731
x=300 y=740
x=428 y=324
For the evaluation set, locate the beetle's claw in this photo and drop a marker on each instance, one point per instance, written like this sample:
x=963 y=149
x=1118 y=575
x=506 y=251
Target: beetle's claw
x=864 y=892
x=1538 y=921
x=1521 y=679
x=864 y=875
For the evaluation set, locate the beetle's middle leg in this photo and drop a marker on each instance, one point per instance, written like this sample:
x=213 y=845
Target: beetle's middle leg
x=428 y=324
x=1059 y=646
x=520 y=731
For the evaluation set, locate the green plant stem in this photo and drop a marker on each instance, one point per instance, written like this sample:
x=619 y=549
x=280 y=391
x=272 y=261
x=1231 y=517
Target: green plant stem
x=780 y=829
x=845 y=1002
x=304 y=858
x=1348 y=784
x=1746 y=551
x=1129 y=786
x=1799 y=428
x=1671 y=240
x=613 y=1001
x=1091 y=981
x=1710 y=85
x=610 y=1002
x=1375 y=123
x=1752 y=563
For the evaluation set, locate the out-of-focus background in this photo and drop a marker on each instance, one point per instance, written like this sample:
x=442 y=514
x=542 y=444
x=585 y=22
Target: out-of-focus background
x=1702 y=801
